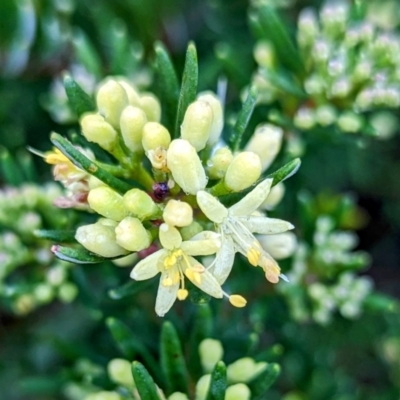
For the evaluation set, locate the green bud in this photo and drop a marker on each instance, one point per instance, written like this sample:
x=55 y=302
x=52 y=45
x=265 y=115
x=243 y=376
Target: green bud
x=155 y=135
x=218 y=164
x=131 y=235
x=243 y=171
x=202 y=387
x=217 y=123
x=350 y=122
x=24 y=304
x=132 y=121
x=264 y=54
x=107 y=203
x=133 y=95
x=99 y=238
x=211 y=351
x=126 y=261
x=178 y=396
x=97 y=130
x=104 y=395
x=304 y=118
x=111 y=100
x=67 y=292
x=119 y=371
x=196 y=124
x=140 y=204
x=240 y=391
x=43 y=293
x=151 y=106
x=244 y=370
x=187 y=232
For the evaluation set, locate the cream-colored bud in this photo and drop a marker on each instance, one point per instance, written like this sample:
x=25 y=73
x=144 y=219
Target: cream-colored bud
x=158 y=158
x=211 y=351
x=196 y=124
x=281 y=245
x=132 y=93
x=111 y=100
x=218 y=164
x=202 y=386
x=132 y=121
x=99 y=238
x=43 y=293
x=151 y=106
x=266 y=143
x=131 y=234
x=94 y=182
x=264 y=54
x=178 y=396
x=178 y=213
x=274 y=197
x=155 y=135
x=107 y=203
x=103 y=395
x=185 y=166
x=127 y=261
x=187 y=232
x=139 y=204
x=119 y=371
x=244 y=370
x=243 y=171
x=97 y=130
x=218 y=115
x=239 y=391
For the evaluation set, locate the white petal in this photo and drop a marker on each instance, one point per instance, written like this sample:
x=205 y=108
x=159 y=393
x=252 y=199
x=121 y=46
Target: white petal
x=170 y=237
x=252 y=200
x=211 y=207
x=200 y=247
x=166 y=297
x=206 y=235
x=208 y=283
x=224 y=261
x=148 y=267
x=264 y=225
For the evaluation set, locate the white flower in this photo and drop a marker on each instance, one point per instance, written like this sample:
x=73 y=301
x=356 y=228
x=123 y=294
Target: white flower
x=236 y=225
x=174 y=262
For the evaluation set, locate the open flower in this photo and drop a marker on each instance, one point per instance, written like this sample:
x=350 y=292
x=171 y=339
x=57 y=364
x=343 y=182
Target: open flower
x=236 y=225
x=174 y=262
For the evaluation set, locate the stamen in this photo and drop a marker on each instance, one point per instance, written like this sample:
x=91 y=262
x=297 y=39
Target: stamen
x=237 y=301
x=253 y=256
x=182 y=294
x=167 y=281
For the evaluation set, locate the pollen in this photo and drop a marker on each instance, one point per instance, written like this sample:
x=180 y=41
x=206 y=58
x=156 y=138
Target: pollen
x=253 y=255
x=182 y=294
x=237 y=301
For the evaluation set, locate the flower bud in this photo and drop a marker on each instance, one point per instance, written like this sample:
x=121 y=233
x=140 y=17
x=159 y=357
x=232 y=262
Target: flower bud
x=244 y=370
x=178 y=213
x=281 y=245
x=133 y=95
x=131 y=234
x=243 y=171
x=264 y=54
x=132 y=121
x=202 y=387
x=97 y=130
x=274 y=197
x=111 y=100
x=196 y=124
x=211 y=351
x=139 y=203
x=185 y=166
x=187 y=232
x=155 y=135
x=107 y=203
x=266 y=143
x=217 y=123
x=350 y=122
x=325 y=115
x=178 y=396
x=219 y=163
x=127 y=261
x=119 y=371
x=151 y=106
x=67 y=292
x=103 y=395
x=240 y=391
x=304 y=118
x=43 y=293
x=100 y=238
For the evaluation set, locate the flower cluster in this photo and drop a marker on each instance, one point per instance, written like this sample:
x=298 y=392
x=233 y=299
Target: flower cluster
x=173 y=213
x=352 y=75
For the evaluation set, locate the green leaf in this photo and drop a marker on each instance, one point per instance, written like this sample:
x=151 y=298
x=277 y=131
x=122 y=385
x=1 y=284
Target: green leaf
x=197 y=296
x=56 y=235
x=379 y=302
x=144 y=382
x=218 y=382
x=81 y=161
x=283 y=82
x=128 y=289
x=79 y=256
x=79 y=100
x=10 y=169
x=276 y=31
x=172 y=361
x=243 y=119
x=261 y=383
x=168 y=83
x=189 y=85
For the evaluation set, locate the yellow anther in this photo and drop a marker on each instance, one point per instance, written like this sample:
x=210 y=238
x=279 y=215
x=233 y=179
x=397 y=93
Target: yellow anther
x=198 y=268
x=253 y=255
x=237 y=301
x=167 y=282
x=197 y=277
x=176 y=277
x=182 y=294
x=169 y=261
x=189 y=273
x=272 y=274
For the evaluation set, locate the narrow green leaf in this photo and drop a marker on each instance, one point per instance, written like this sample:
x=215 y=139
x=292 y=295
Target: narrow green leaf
x=218 y=382
x=189 y=85
x=168 y=83
x=283 y=82
x=243 y=119
x=81 y=161
x=56 y=235
x=79 y=256
x=11 y=171
x=172 y=362
x=275 y=30
x=27 y=166
x=144 y=382
x=379 y=302
x=261 y=383
x=128 y=289
x=79 y=100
